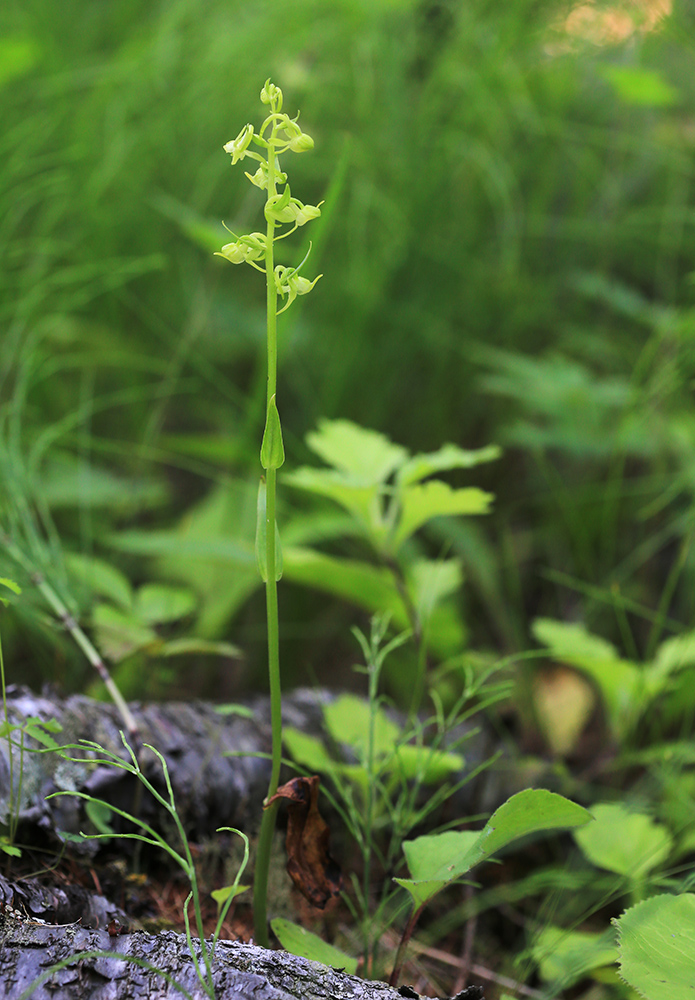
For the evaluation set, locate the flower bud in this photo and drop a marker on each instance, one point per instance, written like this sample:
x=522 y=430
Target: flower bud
x=245 y=249
x=306 y=213
x=271 y=94
x=301 y=143
x=237 y=147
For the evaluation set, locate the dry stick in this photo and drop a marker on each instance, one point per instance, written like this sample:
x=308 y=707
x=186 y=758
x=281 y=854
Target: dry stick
x=468 y=942
x=478 y=970
x=72 y=626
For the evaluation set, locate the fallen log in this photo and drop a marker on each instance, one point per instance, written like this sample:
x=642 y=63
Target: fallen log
x=28 y=950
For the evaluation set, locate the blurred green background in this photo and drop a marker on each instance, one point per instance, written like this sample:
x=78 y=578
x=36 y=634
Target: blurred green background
x=508 y=249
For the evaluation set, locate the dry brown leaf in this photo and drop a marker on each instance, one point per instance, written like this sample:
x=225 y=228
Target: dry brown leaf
x=309 y=865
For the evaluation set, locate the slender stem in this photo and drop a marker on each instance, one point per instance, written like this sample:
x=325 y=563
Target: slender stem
x=265 y=839
x=403 y=944
x=71 y=626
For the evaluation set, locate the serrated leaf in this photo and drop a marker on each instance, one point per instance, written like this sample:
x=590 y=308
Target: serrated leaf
x=657 y=947
x=299 y=941
x=272 y=448
x=449 y=456
x=362 y=501
x=630 y=844
x=365 y=455
x=435 y=498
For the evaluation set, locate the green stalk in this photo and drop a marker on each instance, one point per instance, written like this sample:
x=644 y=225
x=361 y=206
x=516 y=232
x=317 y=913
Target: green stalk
x=265 y=839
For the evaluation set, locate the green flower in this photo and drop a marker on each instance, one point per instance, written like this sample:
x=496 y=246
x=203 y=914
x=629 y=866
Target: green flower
x=238 y=147
x=284 y=208
x=288 y=282
x=245 y=250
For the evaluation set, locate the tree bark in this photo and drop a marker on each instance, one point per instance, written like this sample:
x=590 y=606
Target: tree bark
x=240 y=971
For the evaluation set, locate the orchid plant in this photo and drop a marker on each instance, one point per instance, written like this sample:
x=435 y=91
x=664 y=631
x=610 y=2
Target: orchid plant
x=284 y=214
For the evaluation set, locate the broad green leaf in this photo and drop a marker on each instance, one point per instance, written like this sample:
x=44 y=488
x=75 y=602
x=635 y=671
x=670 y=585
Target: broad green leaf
x=272 y=448
x=11 y=585
x=8 y=848
x=101 y=578
x=673 y=655
x=348 y=720
x=567 y=956
x=65 y=482
x=159 y=602
x=369 y=587
x=427 y=765
x=215 y=548
x=630 y=844
x=308 y=751
x=449 y=456
x=188 y=645
x=621 y=683
x=431 y=859
x=637 y=85
x=657 y=947
x=435 y=498
x=432 y=580
x=532 y=811
x=362 y=501
x=119 y=634
x=365 y=455
x=571 y=642
x=299 y=941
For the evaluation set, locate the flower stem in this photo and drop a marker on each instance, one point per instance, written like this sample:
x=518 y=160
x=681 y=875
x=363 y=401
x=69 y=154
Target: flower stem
x=265 y=840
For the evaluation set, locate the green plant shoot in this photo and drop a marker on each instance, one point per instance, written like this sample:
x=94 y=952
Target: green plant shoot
x=284 y=214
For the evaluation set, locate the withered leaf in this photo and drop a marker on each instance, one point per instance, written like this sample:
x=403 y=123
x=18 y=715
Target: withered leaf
x=309 y=865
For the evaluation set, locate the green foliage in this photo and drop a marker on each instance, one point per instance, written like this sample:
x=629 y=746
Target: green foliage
x=98 y=755
x=657 y=947
x=302 y=942
x=437 y=860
